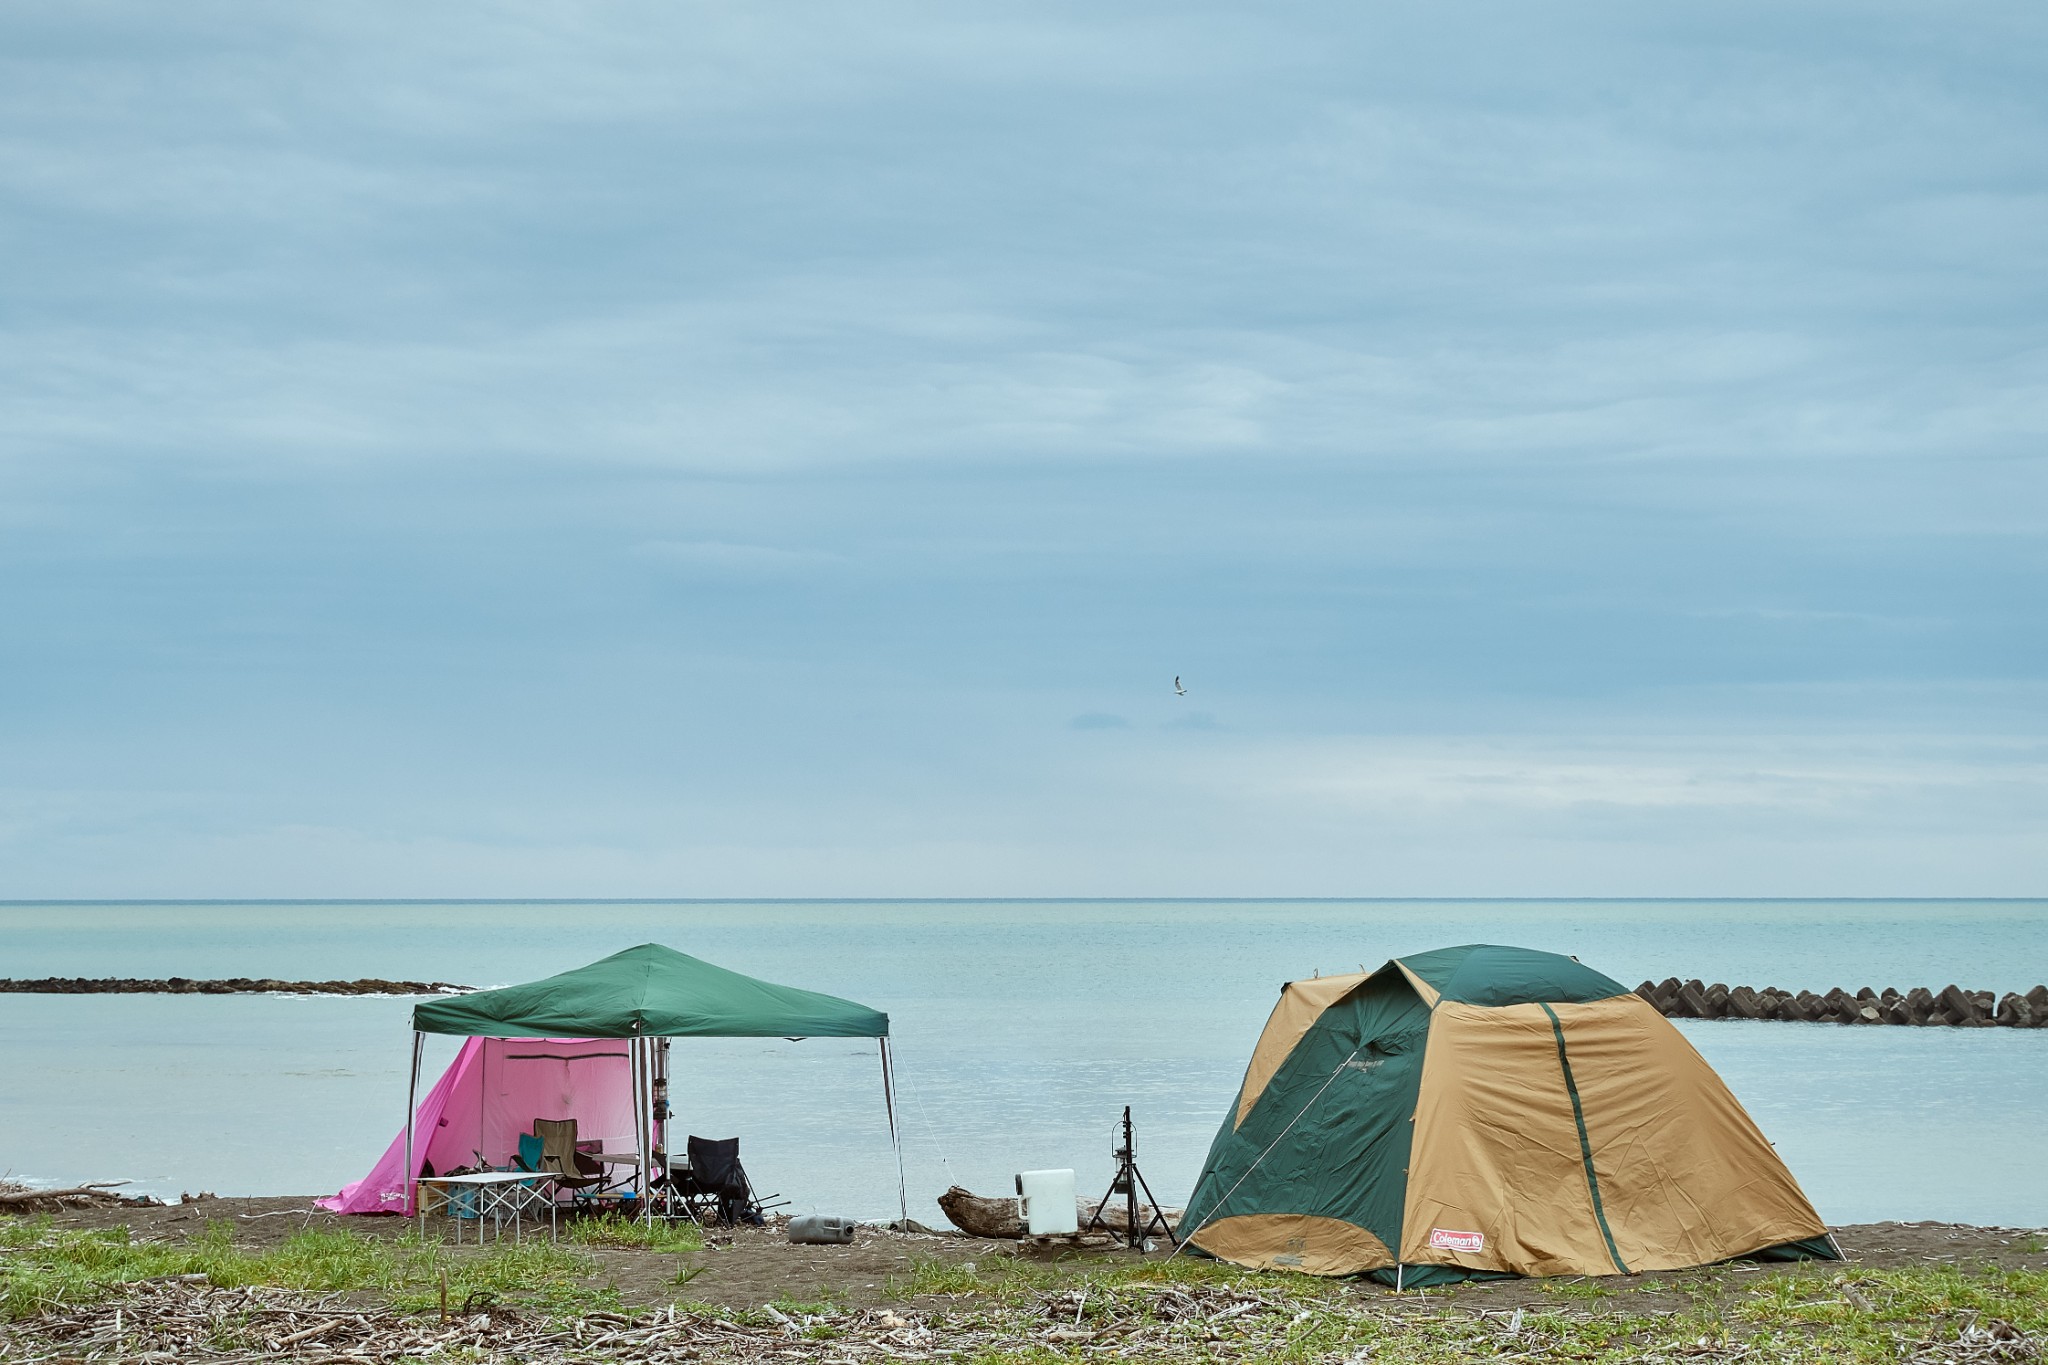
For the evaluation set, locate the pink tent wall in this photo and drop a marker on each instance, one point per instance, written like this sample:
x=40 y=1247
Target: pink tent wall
x=490 y=1094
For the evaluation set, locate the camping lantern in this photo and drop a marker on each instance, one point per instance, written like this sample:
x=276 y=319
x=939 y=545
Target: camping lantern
x=661 y=1099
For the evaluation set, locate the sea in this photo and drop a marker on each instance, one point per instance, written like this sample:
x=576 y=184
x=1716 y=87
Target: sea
x=1021 y=1030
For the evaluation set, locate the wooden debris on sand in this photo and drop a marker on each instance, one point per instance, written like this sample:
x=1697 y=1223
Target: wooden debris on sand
x=28 y=1199
x=183 y=1318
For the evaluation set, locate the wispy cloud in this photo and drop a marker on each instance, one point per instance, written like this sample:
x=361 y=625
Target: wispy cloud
x=725 y=558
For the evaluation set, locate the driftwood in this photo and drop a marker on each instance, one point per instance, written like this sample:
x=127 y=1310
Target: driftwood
x=22 y=1198
x=184 y=1321
x=189 y=1321
x=1950 y=1007
x=978 y=1216
x=1118 y=1216
x=233 y=985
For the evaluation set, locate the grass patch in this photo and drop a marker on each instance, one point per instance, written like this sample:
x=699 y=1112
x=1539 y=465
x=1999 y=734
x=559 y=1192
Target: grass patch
x=1799 y=1317
x=1001 y=1277
x=610 y=1230
x=43 y=1268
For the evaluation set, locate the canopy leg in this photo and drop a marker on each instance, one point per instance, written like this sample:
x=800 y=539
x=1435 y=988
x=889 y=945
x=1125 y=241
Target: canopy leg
x=412 y=1095
x=637 y=1049
x=895 y=1137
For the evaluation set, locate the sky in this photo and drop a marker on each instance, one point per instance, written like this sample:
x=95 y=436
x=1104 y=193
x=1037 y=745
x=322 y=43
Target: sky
x=676 y=449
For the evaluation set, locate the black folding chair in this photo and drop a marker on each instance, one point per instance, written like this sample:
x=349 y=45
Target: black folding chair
x=715 y=1189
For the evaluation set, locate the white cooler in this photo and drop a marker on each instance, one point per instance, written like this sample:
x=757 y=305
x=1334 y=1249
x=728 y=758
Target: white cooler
x=1048 y=1198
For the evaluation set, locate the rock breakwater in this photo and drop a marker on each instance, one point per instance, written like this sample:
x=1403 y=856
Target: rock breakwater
x=1950 y=1007
x=233 y=985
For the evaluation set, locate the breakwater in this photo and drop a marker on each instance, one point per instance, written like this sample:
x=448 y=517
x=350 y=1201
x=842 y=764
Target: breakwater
x=1949 y=1007
x=233 y=985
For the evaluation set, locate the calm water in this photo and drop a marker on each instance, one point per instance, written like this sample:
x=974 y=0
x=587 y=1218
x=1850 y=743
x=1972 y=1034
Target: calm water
x=1021 y=1029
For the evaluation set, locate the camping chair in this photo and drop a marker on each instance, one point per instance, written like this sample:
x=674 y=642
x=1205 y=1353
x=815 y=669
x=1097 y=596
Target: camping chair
x=715 y=1189
x=583 y=1176
x=531 y=1149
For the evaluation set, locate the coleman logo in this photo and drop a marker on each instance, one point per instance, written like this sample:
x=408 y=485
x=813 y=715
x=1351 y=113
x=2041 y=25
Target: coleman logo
x=1445 y=1239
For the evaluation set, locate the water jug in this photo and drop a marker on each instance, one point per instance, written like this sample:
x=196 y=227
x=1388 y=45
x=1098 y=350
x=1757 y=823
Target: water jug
x=821 y=1229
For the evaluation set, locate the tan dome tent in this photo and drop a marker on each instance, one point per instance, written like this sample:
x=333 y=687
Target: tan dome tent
x=1483 y=1111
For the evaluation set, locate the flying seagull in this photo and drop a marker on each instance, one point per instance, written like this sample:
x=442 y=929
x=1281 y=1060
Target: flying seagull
x=1178 y=690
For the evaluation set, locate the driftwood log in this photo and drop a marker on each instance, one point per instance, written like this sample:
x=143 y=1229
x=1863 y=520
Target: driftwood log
x=978 y=1216
x=24 y=1199
x=1949 y=1007
x=1118 y=1216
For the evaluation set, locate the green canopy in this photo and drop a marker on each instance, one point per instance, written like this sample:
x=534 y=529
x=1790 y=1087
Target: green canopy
x=650 y=992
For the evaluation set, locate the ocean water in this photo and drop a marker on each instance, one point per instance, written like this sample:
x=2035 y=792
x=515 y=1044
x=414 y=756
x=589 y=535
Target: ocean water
x=1021 y=1029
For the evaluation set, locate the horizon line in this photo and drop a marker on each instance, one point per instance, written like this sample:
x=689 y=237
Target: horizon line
x=992 y=900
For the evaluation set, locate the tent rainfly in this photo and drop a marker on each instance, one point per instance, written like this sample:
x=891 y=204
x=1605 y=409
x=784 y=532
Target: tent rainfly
x=645 y=995
x=1483 y=1111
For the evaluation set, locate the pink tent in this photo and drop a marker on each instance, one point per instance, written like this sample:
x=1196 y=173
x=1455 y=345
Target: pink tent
x=490 y=1094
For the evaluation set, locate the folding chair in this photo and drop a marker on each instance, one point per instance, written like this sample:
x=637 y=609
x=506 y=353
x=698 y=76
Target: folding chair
x=531 y=1149
x=583 y=1176
x=716 y=1188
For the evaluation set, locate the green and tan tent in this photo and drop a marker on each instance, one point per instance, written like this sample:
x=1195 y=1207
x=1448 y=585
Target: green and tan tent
x=1484 y=1111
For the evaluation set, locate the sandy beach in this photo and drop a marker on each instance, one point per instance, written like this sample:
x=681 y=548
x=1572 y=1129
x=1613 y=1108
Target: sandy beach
x=1907 y=1291
x=745 y=1267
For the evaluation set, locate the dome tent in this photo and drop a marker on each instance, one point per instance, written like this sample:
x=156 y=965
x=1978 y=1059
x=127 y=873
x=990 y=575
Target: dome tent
x=1482 y=1111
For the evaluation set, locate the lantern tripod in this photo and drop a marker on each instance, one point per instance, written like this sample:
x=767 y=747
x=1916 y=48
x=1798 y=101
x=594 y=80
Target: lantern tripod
x=1128 y=1181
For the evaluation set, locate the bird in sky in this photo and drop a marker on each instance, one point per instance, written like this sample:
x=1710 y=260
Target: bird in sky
x=1178 y=690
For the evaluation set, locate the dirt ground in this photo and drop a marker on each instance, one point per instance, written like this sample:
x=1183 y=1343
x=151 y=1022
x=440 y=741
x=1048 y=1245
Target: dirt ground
x=751 y=1266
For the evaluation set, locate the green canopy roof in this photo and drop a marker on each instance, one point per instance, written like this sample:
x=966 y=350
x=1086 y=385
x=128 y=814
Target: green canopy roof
x=654 y=992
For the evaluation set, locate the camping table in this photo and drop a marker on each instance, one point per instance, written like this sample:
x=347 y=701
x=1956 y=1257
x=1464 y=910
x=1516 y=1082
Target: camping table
x=499 y=1194
x=631 y=1159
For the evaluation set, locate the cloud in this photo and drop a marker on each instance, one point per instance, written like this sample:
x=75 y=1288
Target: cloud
x=724 y=559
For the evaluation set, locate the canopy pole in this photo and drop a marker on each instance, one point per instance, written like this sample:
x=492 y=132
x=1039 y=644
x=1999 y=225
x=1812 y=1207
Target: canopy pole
x=639 y=1053
x=659 y=1112
x=895 y=1138
x=664 y=1109
x=412 y=1095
